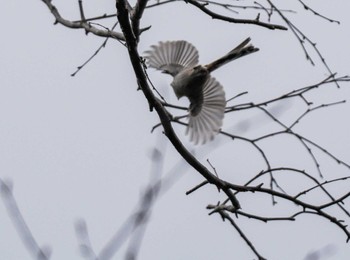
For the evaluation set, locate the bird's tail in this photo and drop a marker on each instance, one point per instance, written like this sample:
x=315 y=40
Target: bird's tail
x=241 y=50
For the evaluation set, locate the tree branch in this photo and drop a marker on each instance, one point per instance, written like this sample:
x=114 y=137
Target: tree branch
x=123 y=17
x=81 y=24
x=136 y=15
x=234 y=20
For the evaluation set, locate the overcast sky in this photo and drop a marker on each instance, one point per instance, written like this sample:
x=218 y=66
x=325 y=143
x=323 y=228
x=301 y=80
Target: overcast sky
x=80 y=147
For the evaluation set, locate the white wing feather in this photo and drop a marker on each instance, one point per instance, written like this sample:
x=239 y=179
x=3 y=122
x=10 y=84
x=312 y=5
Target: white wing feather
x=172 y=56
x=207 y=123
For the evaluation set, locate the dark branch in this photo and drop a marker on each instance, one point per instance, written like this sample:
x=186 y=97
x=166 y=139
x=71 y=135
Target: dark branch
x=123 y=17
x=234 y=20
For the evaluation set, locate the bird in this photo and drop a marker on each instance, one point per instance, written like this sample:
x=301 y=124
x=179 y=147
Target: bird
x=206 y=95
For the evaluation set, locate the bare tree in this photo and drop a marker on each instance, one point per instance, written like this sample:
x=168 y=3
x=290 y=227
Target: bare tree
x=269 y=180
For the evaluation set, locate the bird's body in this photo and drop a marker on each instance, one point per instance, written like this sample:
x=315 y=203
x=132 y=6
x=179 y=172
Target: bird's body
x=189 y=82
x=206 y=95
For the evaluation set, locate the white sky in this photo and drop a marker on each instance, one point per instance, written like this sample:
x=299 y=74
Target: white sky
x=80 y=147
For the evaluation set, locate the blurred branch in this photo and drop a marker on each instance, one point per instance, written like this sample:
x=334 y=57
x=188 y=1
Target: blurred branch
x=149 y=198
x=134 y=226
x=83 y=237
x=21 y=226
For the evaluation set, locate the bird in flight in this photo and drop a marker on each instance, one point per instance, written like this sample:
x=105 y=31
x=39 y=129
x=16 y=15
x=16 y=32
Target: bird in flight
x=206 y=95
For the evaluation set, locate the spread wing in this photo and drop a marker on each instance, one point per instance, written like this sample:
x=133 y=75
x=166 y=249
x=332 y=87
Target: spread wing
x=207 y=113
x=172 y=56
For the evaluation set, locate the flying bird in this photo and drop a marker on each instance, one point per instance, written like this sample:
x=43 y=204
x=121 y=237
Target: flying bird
x=206 y=95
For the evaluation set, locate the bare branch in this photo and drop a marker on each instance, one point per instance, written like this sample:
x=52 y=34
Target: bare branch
x=234 y=20
x=136 y=15
x=103 y=45
x=81 y=24
x=308 y=8
x=302 y=38
x=224 y=217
